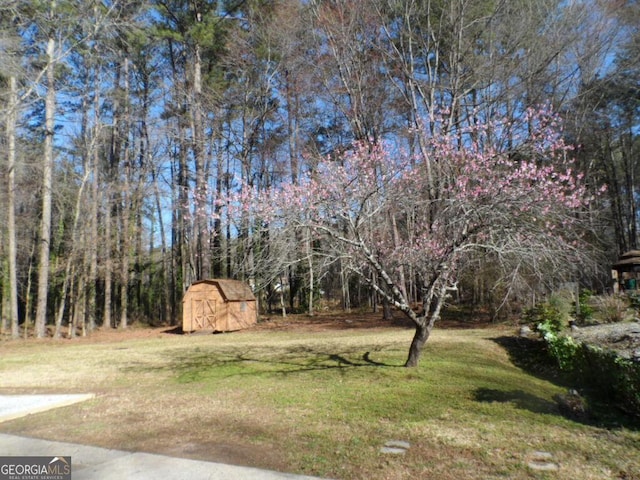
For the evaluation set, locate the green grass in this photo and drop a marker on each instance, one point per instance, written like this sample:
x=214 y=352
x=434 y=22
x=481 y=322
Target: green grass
x=320 y=403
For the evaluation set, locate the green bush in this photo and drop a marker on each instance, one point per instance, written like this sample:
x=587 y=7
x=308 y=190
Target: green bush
x=552 y=315
x=612 y=376
x=561 y=347
x=634 y=301
x=543 y=313
x=585 y=310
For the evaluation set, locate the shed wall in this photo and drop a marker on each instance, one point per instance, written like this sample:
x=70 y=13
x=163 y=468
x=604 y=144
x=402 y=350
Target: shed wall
x=205 y=308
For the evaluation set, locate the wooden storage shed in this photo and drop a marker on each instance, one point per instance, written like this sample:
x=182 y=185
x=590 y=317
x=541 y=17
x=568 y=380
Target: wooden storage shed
x=218 y=305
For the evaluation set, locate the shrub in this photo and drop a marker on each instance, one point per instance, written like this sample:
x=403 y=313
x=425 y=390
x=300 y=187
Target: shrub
x=634 y=301
x=553 y=315
x=615 y=379
x=612 y=308
x=585 y=310
x=561 y=347
x=612 y=376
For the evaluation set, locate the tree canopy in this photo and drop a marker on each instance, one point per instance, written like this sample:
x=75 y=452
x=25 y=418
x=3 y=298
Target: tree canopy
x=134 y=131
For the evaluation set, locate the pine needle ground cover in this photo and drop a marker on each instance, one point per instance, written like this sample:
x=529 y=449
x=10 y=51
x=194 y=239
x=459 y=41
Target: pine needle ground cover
x=321 y=402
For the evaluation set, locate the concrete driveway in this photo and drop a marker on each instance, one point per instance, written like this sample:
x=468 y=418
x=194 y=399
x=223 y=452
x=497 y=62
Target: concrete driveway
x=93 y=463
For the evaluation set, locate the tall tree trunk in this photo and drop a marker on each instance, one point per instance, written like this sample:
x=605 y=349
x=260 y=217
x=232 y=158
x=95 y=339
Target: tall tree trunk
x=27 y=295
x=125 y=208
x=346 y=292
x=72 y=257
x=218 y=253
x=111 y=201
x=11 y=220
x=5 y=312
x=79 y=310
x=203 y=251
x=47 y=179
x=185 y=272
x=310 y=310
x=615 y=194
x=94 y=161
x=629 y=164
x=166 y=260
x=108 y=261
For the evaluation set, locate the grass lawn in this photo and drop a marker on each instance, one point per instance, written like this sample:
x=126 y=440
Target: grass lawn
x=319 y=401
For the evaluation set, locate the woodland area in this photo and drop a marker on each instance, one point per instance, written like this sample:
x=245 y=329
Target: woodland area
x=133 y=130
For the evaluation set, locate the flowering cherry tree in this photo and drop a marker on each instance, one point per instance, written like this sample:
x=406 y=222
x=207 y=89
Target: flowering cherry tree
x=389 y=214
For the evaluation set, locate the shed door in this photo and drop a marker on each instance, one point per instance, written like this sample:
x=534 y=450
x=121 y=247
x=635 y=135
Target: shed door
x=203 y=314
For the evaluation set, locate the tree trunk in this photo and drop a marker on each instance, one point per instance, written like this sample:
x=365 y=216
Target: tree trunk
x=80 y=314
x=124 y=253
x=203 y=250
x=629 y=163
x=218 y=253
x=310 y=310
x=387 y=313
x=47 y=179
x=166 y=260
x=27 y=295
x=94 y=162
x=108 y=263
x=113 y=198
x=4 y=308
x=423 y=330
x=346 y=294
x=282 y=303
x=79 y=309
x=125 y=208
x=80 y=240
x=11 y=227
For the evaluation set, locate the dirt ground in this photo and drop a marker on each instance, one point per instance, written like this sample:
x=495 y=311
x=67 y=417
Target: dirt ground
x=297 y=322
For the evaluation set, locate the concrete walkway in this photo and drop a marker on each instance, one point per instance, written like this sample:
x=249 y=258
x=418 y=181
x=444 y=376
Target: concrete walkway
x=16 y=406
x=93 y=463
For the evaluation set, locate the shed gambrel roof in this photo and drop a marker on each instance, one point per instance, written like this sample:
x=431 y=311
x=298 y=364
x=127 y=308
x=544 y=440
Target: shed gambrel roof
x=231 y=290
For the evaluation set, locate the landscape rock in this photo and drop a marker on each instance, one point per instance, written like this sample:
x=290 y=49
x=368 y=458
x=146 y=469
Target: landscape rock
x=525 y=331
x=396 y=447
x=396 y=451
x=622 y=338
x=543 y=466
x=539 y=455
x=542 y=462
x=572 y=405
x=398 y=444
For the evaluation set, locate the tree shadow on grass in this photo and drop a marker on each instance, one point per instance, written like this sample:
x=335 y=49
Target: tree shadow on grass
x=305 y=359
x=519 y=398
x=530 y=355
x=201 y=364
